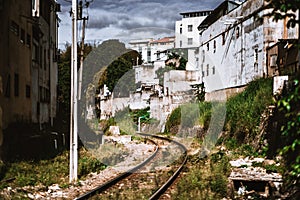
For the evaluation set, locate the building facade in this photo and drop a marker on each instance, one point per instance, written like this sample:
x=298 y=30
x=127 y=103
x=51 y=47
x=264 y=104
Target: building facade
x=153 y=50
x=234 y=41
x=28 y=65
x=187 y=35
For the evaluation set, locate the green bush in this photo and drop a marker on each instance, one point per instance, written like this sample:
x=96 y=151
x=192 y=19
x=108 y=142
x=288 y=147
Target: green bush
x=89 y=164
x=173 y=120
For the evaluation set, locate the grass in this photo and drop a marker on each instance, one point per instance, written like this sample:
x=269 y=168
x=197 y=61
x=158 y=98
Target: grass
x=206 y=178
x=48 y=172
x=243 y=111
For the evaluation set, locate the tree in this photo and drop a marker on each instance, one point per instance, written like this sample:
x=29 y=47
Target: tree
x=113 y=74
x=64 y=80
x=288 y=105
x=282 y=9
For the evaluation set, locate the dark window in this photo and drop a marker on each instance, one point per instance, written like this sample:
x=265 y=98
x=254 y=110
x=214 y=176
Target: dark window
x=256 y=56
x=207 y=70
x=190 y=28
x=41 y=57
x=207 y=45
x=237 y=32
x=14 y=27
x=7 y=87
x=16 y=84
x=35 y=53
x=213 y=70
x=223 y=38
x=180 y=43
x=22 y=36
x=215 y=46
x=45 y=57
x=28 y=40
x=180 y=30
x=28 y=91
x=190 y=41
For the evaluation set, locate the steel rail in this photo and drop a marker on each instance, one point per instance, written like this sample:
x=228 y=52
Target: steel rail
x=169 y=182
x=119 y=177
x=159 y=191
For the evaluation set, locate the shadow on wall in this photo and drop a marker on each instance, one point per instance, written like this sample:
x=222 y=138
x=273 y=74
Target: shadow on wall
x=24 y=141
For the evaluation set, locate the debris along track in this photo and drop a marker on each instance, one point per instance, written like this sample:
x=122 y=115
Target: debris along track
x=148 y=180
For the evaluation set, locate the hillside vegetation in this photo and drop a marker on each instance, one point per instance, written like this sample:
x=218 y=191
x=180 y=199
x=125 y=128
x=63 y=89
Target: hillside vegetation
x=252 y=129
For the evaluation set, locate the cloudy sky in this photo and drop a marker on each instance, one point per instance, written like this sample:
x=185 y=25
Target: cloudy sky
x=129 y=19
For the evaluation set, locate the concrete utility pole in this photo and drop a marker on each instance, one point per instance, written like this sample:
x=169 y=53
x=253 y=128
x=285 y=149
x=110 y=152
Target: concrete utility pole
x=81 y=57
x=74 y=102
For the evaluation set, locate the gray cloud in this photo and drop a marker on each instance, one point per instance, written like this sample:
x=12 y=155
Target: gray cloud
x=125 y=15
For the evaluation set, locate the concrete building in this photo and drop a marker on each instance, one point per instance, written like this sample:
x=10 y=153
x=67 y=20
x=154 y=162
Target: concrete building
x=233 y=44
x=28 y=65
x=153 y=50
x=187 y=35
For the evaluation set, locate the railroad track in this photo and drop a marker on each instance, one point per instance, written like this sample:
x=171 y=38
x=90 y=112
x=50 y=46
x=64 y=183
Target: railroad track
x=144 y=173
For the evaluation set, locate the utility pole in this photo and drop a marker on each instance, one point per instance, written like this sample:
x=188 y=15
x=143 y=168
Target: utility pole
x=74 y=105
x=81 y=56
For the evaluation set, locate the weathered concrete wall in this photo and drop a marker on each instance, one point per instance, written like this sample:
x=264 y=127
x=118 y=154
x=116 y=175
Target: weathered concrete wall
x=223 y=95
x=179 y=80
x=233 y=49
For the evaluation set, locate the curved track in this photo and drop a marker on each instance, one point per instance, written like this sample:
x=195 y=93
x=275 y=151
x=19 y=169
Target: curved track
x=124 y=175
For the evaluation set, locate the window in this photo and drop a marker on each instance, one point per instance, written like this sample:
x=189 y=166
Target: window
x=215 y=46
x=223 y=38
x=180 y=43
x=7 y=87
x=237 y=33
x=22 y=36
x=28 y=40
x=45 y=61
x=190 y=28
x=27 y=91
x=273 y=60
x=190 y=41
x=256 y=60
x=16 y=84
x=207 y=70
x=35 y=53
x=213 y=70
x=180 y=30
x=149 y=55
x=256 y=56
x=207 y=46
x=14 y=27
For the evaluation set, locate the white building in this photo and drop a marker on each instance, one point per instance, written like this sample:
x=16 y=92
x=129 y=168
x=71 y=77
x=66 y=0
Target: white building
x=153 y=50
x=187 y=35
x=234 y=40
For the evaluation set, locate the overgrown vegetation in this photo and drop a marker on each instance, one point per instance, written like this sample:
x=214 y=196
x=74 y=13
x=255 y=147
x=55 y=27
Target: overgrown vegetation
x=189 y=115
x=47 y=172
x=284 y=135
x=207 y=179
x=244 y=110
